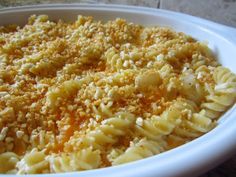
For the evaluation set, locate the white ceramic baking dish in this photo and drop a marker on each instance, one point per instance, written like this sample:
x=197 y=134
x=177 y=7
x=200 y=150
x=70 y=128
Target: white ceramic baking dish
x=193 y=158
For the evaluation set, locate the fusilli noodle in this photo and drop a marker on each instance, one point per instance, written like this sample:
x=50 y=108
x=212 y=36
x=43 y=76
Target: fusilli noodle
x=33 y=162
x=139 y=150
x=8 y=161
x=157 y=126
x=107 y=132
x=85 y=159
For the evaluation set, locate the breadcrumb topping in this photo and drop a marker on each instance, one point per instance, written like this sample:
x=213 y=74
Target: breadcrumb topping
x=61 y=80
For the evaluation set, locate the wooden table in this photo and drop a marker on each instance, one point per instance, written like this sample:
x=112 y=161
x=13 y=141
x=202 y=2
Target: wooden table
x=221 y=11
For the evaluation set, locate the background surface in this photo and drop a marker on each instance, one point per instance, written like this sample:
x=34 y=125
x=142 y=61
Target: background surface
x=220 y=11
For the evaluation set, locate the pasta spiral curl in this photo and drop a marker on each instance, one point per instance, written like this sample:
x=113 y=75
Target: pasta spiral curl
x=170 y=81
x=66 y=90
x=114 y=60
x=121 y=60
x=164 y=124
x=199 y=63
x=193 y=123
x=157 y=126
x=217 y=104
x=225 y=80
x=223 y=75
x=32 y=163
x=198 y=124
x=139 y=150
x=109 y=131
x=41 y=139
x=224 y=94
x=85 y=159
x=189 y=82
x=103 y=109
x=50 y=62
x=8 y=162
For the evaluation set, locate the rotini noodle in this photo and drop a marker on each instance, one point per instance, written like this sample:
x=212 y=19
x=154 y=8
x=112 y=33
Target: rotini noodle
x=85 y=159
x=195 y=123
x=108 y=131
x=157 y=126
x=224 y=94
x=225 y=79
x=143 y=148
x=8 y=162
x=41 y=139
x=32 y=163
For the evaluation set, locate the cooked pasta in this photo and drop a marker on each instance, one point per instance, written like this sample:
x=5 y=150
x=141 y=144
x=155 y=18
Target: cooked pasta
x=106 y=133
x=33 y=162
x=87 y=94
x=8 y=162
x=85 y=159
x=157 y=126
x=189 y=82
x=139 y=150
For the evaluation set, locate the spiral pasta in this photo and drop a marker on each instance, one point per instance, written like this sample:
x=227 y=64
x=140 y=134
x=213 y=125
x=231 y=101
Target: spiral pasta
x=190 y=82
x=195 y=127
x=117 y=61
x=103 y=110
x=224 y=94
x=48 y=65
x=225 y=79
x=8 y=161
x=107 y=132
x=217 y=104
x=200 y=62
x=194 y=123
x=170 y=81
x=85 y=159
x=42 y=139
x=66 y=90
x=33 y=162
x=157 y=126
x=223 y=75
x=139 y=150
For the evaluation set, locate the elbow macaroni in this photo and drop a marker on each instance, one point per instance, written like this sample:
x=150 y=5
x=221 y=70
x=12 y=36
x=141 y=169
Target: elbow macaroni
x=85 y=95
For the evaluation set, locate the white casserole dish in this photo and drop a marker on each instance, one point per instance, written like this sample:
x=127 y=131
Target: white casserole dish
x=191 y=159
